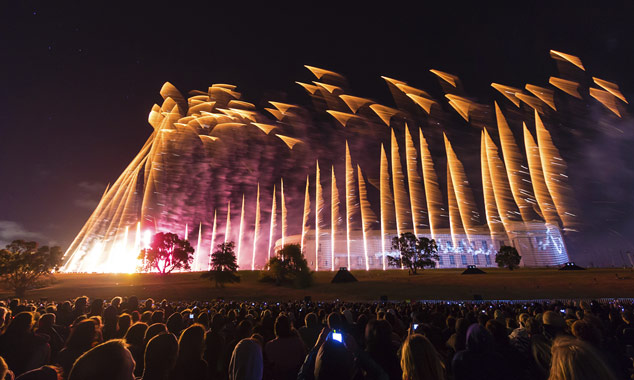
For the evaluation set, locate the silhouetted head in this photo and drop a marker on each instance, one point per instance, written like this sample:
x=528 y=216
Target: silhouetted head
x=160 y=354
x=108 y=361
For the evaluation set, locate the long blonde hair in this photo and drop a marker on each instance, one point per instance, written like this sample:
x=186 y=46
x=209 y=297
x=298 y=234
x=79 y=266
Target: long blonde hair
x=420 y=360
x=575 y=359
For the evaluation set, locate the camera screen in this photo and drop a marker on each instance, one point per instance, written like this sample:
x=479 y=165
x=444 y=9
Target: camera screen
x=337 y=336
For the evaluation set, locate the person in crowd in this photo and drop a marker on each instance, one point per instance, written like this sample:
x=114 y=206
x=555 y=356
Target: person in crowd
x=108 y=361
x=574 y=359
x=478 y=361
x=82 y=338
x=48 y=328
x=380 y=347
x=310 y=331
x=284 y=354
x=246 y=361
x=190 y=364
x=420 y=360
x=5 y=372
x=160 y=357
x=134 y=340
x=23 y=349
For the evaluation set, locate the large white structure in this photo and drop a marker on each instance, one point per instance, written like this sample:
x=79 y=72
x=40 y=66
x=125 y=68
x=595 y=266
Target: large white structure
x=538 y=243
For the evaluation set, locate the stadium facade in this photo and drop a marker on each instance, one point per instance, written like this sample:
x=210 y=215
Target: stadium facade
x=539 y=245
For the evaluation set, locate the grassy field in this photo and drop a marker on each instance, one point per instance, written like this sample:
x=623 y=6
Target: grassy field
x=446 y=284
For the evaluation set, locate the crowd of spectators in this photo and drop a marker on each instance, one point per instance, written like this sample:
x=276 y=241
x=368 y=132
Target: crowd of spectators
x=128 y=338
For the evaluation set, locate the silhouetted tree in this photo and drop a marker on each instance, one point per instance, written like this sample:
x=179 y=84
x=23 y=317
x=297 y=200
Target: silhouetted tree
x=166 y=253
x=508 y=257
x=289 y=267
x=415 y=253
x=223 y=265
x=23 y=265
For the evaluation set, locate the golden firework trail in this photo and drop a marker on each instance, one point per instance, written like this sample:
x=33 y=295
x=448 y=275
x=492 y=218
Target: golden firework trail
x=266 y=128
x=554 y=168
x=398 y=185
x=567 y=58
x=461 y=105
x=354 y=102
x=200 y=234
x=186 y=232
x=508 y=92
x=423 y=102
x=213 y=241
x=610 y=87
x=228 y=225
x=455 y=227
x=490 y=206
x=513 y=161
x=501 y=188
x=545 y=95
x=449 y=78
x=240 y=232
x=384 y=113
x=567 y=86
x=466 y=204
x=308 y=87
x=319 y=73
x=350 y=199
x=282 y=107
x=433 y=196
x=387 y=205
x=367 y=216
x=328 y=87
x=334 y=216
x=605 y=98
x=545 y=203
x=342 y=117
x=306 y=213
x=289 y=141
x=256 y=228
x=531 y=101
x=414 y=183
x=319 y=205
x=272 y=229
x=284 y=213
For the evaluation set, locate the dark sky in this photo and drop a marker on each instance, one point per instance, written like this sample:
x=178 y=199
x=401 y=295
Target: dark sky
x=78 y=79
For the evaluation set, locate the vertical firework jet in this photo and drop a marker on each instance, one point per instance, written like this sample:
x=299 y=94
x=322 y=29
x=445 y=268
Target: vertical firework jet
x=256 y=227
x=463 y=196
x=228 y=225
x=284 y=213
x=305 y=214
x=240 y=232
x=433 y=195
x=272 y=229
x=414 y=183
x=213 y=240
x=387 y=206
x=398 y=186
x=350 y=199
x=334 y=216
x=367 y=217
x=544 y=200
x=319 y=205
x=501 y=190
x=554 y=168
x=197 y=253
x=513 y=162
x=490 y=206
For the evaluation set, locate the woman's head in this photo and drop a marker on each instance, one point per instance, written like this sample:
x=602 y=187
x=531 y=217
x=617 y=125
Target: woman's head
x=419 y=359
x=107 y=361
x=135 y=334
x=573 y=359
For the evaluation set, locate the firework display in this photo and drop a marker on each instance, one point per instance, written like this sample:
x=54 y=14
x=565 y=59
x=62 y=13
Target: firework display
x=471 y=176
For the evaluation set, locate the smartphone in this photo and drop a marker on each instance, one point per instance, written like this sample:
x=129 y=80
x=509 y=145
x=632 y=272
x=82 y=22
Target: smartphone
x=563 y=311
x=337 y=336
x=191 y=316
x=414 y=326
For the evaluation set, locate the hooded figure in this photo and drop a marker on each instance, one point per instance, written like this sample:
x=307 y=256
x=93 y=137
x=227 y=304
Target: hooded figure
x=246 y=361
x=478 y=360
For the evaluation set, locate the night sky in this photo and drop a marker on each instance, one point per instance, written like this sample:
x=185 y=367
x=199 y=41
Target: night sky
x=78 y=80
